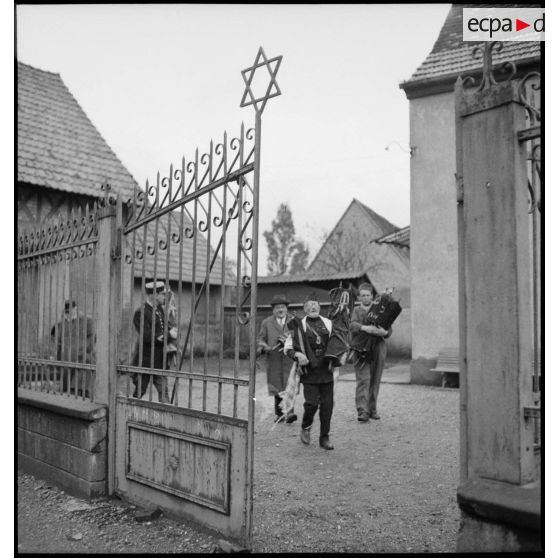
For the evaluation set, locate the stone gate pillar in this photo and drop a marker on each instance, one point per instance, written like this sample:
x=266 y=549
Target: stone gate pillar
x=498 y=495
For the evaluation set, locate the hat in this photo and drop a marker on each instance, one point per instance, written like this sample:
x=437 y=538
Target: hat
x=279 y=299
x=69 y=303
x=311 y=296
x=157 y=286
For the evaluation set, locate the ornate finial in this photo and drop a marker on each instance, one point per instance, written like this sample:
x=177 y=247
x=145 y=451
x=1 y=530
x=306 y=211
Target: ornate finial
x=488 y=79
x=261 y=60
x=105 y=187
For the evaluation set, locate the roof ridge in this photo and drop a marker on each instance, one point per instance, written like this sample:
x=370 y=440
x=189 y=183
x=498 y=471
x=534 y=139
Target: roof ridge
x=331 y=232
x=59 y=146
x=377 y=217
x=19 y=62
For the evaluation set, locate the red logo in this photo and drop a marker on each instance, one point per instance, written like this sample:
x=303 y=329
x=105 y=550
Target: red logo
x=519 y=25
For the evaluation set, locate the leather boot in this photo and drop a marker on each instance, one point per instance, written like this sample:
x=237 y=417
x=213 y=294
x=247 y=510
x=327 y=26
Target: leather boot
x=291 y=417
x=325 y=443
x=305 y=435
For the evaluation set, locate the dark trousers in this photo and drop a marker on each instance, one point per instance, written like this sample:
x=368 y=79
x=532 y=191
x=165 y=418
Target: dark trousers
x=318 y=396
x=368 y=378
x=141 y=383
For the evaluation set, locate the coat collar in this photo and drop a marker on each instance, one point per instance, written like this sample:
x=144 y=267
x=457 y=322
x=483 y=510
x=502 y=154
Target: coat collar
x=327 y=323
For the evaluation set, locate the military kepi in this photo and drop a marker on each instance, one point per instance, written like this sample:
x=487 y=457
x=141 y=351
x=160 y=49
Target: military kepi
x=154 y=286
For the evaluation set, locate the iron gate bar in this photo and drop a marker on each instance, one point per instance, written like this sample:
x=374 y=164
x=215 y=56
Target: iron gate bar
x=532 y=135
x=216 y=378
x=254 y=263
x=188 y=198
x=51 y=362
x=205 y=282
x=56 y=249
x=529 y=133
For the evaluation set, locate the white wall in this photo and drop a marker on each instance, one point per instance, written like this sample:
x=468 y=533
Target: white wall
x=434 y=294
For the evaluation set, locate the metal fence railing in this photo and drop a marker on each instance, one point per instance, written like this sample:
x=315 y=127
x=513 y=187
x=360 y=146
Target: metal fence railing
x=57 y=306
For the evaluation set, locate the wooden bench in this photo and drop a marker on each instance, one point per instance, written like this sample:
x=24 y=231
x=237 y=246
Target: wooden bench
x=448 y=363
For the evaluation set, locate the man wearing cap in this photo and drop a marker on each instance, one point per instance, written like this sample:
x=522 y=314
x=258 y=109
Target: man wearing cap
x=74 y=338
x=150 y=347
x=271 y=339
x=306 y=343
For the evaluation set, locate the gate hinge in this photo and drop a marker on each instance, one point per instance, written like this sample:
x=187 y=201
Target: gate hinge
x=459 y=193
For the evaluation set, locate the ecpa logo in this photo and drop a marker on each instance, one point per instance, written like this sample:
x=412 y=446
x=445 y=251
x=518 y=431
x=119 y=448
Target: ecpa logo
x=503 y=24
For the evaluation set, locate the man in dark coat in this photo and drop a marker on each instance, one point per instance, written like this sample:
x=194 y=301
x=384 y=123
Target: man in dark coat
x=271 y=339
x=151 y=346
x=74 y=338
x=306 y=343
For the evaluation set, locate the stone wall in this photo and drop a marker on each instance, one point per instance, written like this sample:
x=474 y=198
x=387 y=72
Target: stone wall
x=64 y=441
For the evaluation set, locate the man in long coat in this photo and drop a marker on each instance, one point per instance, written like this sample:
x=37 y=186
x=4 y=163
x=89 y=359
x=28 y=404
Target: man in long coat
x=74 y=339
x=273 y=332
x=150 y=348
x=306 y=343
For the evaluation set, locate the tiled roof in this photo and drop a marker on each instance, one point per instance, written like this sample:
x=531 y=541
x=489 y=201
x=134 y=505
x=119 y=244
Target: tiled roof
x=451 y=55
x=58 y=146
x=312 y=277
x=174 y=254
x=402 y=237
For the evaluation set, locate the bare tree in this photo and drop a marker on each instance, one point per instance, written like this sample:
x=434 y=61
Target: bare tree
x=286 y=253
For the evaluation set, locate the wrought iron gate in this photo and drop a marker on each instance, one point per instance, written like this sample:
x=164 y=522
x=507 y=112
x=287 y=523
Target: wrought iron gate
x=184 y=402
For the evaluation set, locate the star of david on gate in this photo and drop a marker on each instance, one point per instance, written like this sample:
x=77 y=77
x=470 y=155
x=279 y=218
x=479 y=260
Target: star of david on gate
x=261 y=60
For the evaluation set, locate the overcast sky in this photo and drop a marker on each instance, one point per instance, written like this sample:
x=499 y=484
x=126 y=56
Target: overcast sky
x=159 y=80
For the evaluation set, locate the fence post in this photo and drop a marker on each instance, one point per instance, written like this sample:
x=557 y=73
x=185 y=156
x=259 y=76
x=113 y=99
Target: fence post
x=108 y=285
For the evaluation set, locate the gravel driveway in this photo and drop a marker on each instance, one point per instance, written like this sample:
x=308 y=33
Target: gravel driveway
x=389 y=486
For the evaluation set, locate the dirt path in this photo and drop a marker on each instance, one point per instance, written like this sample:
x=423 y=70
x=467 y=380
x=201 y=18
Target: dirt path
x=389 y=486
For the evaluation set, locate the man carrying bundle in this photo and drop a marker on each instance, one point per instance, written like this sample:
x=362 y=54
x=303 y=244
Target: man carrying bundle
x=370 y=355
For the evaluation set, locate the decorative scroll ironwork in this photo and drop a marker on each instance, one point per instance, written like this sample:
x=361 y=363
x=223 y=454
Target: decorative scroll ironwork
x=488 y=80
x=534 y=180
x=224 y=162
x=74 y=233
x=531 y=83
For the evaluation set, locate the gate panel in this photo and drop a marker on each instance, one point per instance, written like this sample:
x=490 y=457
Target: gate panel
x=191 y=464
